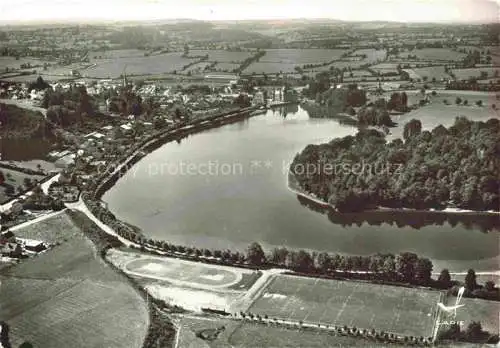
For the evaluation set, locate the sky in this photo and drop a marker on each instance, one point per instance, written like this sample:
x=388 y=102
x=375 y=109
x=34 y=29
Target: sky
x=349 y=10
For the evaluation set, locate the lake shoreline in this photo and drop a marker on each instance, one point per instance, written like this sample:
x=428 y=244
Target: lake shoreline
x=299 y=191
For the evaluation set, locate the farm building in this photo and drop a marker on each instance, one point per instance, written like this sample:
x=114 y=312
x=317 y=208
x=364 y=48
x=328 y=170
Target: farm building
x=32 y=245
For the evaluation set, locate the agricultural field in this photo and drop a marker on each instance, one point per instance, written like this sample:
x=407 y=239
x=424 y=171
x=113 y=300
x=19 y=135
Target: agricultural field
x=15 y=179
x=269 y=68
x=13 y=63
x=357 y=73
x=437 y=112
x=95 y=56
x=46 y=77
x=469 y=48
x=485 y=72
x=430 y=72
x=486 y=312
x=222 y=56
x=226 y=66
x=58 y=228
x=411 y=63
x=372 y=55
x=155 y=64
x=340 y=64
x=254 y=335
x=435 y=54
x=68 y=297
x=369 y=78
x=399 y=310
x=197 y=68
x=72 y=313
x=65 y=70
x=489 y=81
x=471 y=96
x=385 y=68
x=251 y=335
x=301 y=56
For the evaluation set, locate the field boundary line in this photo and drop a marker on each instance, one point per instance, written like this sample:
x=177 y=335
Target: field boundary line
x=255 y=292
x=52 y=297
x=437 y=316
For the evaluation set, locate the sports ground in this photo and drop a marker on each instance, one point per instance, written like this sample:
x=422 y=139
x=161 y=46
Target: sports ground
x=184 y=273
x=190 y=273
x=399 y=310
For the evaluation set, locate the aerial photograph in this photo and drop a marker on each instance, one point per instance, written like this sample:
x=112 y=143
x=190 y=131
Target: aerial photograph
x=249 y=174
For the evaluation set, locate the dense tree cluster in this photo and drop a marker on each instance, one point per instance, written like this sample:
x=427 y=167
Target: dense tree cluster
x=319 y=85
x=472 y=58
x=242 y=101
x=398 y=102
x=474 y=333
x=343 y=97
x=40 y=201
x=66 y=108
x=473 y=85
x=126 y=102
x=404 y=267
x=444 y=167
x=487 y=291
x=38 y=85
x=18 y=122
x=247 y=62
x=375 y=114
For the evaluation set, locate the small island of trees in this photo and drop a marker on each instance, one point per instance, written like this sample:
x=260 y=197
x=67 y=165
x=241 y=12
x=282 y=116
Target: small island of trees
x=446 y=167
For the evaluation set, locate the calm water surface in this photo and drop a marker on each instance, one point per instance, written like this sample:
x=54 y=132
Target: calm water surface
x=226 y=187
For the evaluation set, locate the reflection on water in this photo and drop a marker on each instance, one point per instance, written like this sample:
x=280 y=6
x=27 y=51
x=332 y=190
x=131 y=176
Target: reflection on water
x=231 y=211
x=416 y=220
x=286 y=110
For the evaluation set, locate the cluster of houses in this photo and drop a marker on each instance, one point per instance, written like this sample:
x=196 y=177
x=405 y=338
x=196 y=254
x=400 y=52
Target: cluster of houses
x=12 y=247
x=20 y=91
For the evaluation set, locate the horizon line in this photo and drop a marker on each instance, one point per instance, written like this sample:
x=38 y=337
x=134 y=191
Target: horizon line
x=49 y=21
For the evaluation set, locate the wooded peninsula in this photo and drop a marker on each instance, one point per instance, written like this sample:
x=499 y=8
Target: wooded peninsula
x=455 y=167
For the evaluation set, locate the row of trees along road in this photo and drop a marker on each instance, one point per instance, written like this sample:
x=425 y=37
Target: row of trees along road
x=405 y=267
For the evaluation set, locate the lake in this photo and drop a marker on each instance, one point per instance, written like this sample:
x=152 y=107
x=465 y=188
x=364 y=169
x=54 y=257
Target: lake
x=226 y=187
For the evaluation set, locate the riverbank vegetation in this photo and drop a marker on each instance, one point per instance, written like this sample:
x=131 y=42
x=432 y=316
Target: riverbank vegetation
x=403 y=269
x=446 y=167
x=333 y=102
